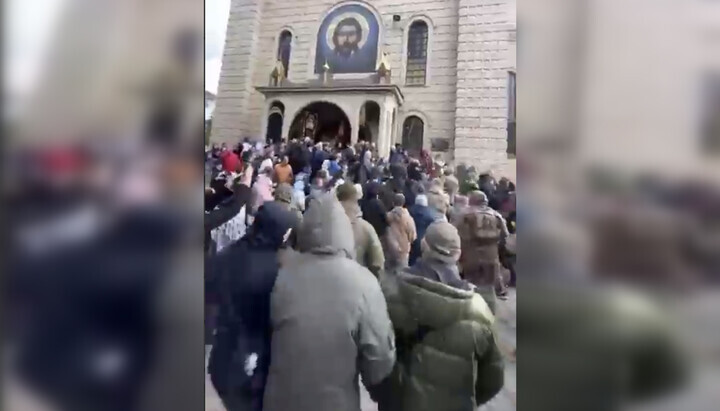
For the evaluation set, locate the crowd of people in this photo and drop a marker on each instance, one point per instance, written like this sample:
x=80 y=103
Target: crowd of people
x=328 y=263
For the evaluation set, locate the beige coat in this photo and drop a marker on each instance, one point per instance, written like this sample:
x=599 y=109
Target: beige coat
x=401 y=234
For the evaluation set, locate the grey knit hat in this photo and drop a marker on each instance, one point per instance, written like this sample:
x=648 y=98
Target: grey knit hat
x=442 y=242
x=284 y=193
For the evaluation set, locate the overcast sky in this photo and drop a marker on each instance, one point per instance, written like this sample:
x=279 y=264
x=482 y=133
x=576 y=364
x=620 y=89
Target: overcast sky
x=216 y=17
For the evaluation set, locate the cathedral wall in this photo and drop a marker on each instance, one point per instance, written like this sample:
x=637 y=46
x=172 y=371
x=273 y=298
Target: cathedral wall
x=472 y=72
x=486 y=53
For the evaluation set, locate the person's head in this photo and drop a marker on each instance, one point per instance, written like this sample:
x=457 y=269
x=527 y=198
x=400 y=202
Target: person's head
x=347 y=192
x=478 y=198
x=326 y=229
x=441 y=243
x=461 y=201
x=285 y=160
x=398 y=147
x=448 y=172
x=283 y=193
x=398 y=200
x=421 y=200
x=373 y=190
x=272 y=225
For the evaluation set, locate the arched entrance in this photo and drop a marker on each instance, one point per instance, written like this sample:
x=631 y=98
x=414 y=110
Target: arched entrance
x=321 y=121
x=412 y=135
x=369 y=122
x=275 y=123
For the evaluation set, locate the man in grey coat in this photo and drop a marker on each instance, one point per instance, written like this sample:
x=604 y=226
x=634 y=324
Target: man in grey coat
x=329 y=319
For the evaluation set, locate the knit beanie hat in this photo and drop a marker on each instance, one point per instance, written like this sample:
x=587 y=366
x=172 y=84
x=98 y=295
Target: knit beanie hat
x=442 y=242
x=284 y=193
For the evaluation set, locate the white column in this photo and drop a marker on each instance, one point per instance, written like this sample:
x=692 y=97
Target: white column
x=383 y=133
x=264 y=122
x=354 y=115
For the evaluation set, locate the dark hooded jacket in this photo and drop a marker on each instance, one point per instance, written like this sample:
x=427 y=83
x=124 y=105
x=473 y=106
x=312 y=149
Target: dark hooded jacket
x=329 y=320
x=245 y=274
x=374 y=211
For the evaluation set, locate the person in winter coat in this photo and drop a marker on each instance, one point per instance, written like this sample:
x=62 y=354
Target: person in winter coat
x=299 y=195
x=329 y=320
x=231 y=163
x=447 y=355
x=423 y=216
x=373 y=210
x=400 y=235
x=437 y=199
x=458 y=209
x=283 y=171
x=284 y=198
x=481 y=230
x=368 y=248
x=245 y=275
x=452 y=185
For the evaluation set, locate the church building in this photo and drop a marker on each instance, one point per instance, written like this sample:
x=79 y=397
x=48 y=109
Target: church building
x=427 y=74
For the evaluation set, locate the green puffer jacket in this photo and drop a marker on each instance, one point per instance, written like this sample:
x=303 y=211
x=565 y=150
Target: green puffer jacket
x=447 y=356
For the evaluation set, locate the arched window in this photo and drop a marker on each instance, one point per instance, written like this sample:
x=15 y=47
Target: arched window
x=284 y=48
x=412 y=135
x=417 y=53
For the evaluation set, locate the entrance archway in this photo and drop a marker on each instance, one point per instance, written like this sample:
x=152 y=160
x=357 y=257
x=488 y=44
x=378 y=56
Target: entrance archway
x=369 y=122
x=273 y=134
x=321 y=121
x=412 y=136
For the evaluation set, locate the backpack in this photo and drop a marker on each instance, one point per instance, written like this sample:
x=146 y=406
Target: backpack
x=483 y=225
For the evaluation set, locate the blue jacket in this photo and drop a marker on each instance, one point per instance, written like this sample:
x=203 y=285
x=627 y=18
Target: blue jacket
x=423 y=217
x=334 y=167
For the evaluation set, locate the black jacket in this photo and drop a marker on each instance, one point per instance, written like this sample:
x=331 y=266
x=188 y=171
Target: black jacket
x=374 y=212
x=244 y=275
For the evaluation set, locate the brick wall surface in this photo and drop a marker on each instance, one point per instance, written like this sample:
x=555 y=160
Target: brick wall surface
x=471 y=49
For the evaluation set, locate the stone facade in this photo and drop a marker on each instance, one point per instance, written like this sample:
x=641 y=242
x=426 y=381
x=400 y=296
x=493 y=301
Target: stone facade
x=471 y=50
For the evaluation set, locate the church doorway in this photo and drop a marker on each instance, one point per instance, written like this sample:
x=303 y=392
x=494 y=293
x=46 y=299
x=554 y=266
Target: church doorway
x=322 y=122
x=369 y=122
x=275 y=123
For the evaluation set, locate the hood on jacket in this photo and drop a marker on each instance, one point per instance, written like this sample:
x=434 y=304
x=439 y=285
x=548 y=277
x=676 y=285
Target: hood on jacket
x=436 y=305
x=272 y=221
x=326 y=229
x=352 y=209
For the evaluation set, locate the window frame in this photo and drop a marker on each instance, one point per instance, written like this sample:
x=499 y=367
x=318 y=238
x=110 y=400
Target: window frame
x=407 y=61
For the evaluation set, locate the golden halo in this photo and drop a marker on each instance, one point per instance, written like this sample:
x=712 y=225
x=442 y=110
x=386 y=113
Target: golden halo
x=340 y=17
